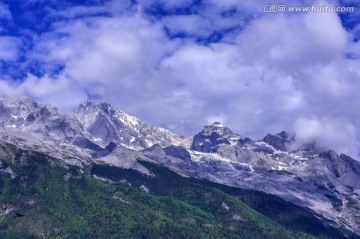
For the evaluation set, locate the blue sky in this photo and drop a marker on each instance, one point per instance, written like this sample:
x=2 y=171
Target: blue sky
x=186 y=63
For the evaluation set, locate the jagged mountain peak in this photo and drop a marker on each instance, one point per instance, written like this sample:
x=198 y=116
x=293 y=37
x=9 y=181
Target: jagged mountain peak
x=87 y=104
x=212 y=136
x=25 y=114
x=92 y=109
x=24 y=102
x=109 y=124
x=218 y=124
x=16 y=105
x=218 y=128
x=280 y=141
x=104 y=107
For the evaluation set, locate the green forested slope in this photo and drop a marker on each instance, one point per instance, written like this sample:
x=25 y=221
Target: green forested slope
x=168 y=183
x=54 y=202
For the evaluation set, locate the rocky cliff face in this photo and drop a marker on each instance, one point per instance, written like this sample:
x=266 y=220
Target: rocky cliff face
x=212 y=136
x=280 y=141
x=25 y=115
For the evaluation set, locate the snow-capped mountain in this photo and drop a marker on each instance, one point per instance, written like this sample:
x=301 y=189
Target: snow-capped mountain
x=322 y=180
x=107 y=124
x=308 y=175
x=78 y=136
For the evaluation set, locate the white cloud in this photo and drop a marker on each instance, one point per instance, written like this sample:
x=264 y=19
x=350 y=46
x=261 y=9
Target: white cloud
x=9 y=48
x=280 y=72
x=290 y=42
x=328 y=133
x=46 y=90
x=114 y=58
x=5 y=12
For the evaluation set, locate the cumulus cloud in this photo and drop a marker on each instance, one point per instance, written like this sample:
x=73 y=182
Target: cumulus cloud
x=290 y=42
x=263 y=74
x=9 y=48
x=45 y=90
x=5 y=12
x=113 y=58
x=325 y=131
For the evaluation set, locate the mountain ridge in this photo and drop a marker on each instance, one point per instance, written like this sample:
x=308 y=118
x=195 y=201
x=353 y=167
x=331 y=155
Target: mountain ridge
x=309 y=176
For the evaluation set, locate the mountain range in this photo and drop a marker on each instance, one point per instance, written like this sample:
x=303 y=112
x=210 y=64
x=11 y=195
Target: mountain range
x=320 y=180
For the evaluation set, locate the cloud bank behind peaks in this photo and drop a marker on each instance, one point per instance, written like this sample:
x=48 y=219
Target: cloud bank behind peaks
x=182 y=64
